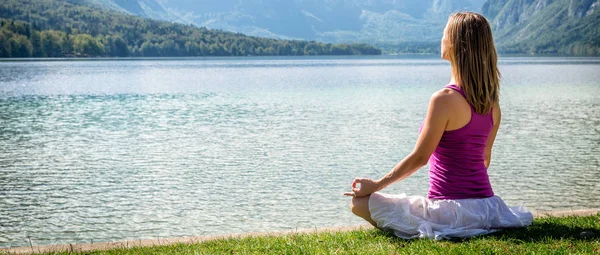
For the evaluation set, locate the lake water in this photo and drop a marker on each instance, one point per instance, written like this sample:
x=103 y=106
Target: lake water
x=135 y=149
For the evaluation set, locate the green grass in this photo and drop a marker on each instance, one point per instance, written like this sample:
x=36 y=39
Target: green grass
x=550 y=235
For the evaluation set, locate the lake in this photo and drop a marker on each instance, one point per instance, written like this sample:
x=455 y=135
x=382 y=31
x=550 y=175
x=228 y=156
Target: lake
x=106 y=150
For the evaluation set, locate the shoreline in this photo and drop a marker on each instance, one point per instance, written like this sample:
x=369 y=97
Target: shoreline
x=286 y=57
x=101 y=246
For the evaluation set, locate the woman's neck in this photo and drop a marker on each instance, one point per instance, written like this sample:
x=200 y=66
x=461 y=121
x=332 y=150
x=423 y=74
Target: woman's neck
x=452 y=80
x=453 y=76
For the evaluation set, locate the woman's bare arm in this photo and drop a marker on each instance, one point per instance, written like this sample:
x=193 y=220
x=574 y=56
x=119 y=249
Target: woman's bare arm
x=497 y=114
x=433 y=129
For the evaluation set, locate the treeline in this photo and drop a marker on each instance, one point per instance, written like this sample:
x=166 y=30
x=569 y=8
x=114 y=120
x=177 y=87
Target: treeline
x=60 y=28
x=533 y=47
x=573 y=49
x=410 y=48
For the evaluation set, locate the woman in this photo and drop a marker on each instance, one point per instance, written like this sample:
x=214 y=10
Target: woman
x=456 y=138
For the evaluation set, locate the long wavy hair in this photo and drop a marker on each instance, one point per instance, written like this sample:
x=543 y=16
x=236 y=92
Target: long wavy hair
x=474 y=60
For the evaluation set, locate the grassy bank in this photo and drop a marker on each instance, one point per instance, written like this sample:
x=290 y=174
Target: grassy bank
x=548 y=235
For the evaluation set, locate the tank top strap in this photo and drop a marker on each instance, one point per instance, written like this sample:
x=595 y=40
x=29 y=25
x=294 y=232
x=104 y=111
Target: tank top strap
x=457 y=88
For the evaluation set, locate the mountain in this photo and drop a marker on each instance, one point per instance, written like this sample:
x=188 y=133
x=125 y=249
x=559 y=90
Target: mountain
x=66 y=28
x=569 y=27
x=520 y=26
x=142 y=8
x=380 y=21
x=546 y=26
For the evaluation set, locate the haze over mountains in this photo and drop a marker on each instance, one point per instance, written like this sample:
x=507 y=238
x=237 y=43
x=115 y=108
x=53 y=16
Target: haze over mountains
x=73 y=28
x=371 y=21
x=520 y=26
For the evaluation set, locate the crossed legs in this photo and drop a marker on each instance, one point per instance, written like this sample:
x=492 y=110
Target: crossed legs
x=360 y=207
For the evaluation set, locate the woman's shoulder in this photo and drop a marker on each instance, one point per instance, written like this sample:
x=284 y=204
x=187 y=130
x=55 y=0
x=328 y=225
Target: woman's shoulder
x=446 y=96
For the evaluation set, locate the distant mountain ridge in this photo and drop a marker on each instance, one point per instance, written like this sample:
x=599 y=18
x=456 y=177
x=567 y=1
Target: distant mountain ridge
x=520 y=26
x=74 y=28
x=546 y=26
x=324 y=20
x=143 y=8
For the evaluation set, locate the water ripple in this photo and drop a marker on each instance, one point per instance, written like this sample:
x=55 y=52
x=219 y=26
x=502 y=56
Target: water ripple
x=142 y=149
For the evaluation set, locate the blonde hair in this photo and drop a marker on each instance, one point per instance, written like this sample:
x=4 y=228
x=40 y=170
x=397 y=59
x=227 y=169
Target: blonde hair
x=474 y=60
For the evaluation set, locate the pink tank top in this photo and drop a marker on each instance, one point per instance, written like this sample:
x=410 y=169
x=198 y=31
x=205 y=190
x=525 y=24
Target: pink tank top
x=457 y=169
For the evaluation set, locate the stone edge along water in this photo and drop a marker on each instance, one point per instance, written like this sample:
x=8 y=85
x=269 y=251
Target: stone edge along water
x=82 y=247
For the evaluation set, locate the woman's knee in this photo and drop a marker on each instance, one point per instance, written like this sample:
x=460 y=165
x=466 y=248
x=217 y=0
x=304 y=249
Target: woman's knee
x=353 y=205
x=360 y=206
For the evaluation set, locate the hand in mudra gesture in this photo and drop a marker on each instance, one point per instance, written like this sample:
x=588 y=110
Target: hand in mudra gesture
x=362 y=187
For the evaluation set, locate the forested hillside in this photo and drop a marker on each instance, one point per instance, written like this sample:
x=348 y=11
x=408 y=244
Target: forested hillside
x=61 y=28
x=373 y=21
x=570 y=27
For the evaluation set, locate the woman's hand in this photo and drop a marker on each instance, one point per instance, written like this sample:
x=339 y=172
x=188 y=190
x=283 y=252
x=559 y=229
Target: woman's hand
x=362 y=187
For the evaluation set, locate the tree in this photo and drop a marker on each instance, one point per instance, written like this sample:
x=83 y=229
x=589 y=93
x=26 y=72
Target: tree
x=311 y=49
x=341 y=49
x=148 y=49
x=20 y=47
x=51 y=43
x=67 y=44
x=285 y=50
x=169 y=48
x=120 y=47
x=5 y=49
x=87 y=45
x=204 y=49
x=259 y=51
x=213 y=50
x=36 y=43
x=233 y=49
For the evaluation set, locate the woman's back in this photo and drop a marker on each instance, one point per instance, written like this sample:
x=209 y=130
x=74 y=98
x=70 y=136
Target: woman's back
x=457 y=137
x=457 y=166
